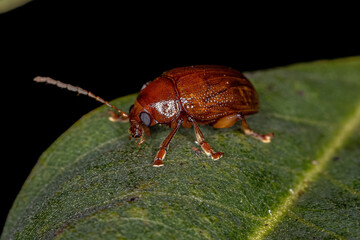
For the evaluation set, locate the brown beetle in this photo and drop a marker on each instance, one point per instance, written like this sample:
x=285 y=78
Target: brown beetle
x=187 y=96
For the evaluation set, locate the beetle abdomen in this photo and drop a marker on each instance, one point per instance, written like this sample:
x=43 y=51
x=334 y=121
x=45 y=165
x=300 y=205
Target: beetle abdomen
x=208 y=93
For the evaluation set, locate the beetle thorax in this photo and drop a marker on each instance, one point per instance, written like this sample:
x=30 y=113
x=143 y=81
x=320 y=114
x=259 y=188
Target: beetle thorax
x=159 y=99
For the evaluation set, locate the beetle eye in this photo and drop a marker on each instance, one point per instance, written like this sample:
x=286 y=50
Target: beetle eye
x=145 y=118
x=131 y=107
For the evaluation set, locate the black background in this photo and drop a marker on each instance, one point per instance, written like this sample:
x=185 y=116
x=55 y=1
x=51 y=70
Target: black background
x=111 y=49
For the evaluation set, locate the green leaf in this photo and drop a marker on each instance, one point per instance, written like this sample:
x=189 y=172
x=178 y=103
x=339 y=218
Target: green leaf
x=8 y=5
x=93 y=183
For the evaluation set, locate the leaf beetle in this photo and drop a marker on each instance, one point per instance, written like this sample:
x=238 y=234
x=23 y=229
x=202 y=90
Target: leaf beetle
x=187 y=96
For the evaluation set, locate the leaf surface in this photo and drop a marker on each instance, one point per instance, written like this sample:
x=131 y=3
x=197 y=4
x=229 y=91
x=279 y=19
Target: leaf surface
x=8 y=5
x=93 y=183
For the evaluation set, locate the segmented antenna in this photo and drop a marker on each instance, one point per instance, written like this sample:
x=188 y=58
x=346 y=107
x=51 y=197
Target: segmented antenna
x=79 y=90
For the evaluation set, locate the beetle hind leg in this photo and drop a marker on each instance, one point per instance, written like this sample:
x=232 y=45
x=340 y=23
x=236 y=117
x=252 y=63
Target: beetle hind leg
x=204 y=145
x=266 y=138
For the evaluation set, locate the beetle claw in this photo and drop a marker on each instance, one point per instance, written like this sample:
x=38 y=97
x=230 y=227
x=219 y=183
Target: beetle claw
x=141 y=140
x=267 y=138
x=217 y=155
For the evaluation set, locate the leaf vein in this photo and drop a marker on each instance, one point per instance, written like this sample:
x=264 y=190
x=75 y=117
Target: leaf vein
x=338 y=141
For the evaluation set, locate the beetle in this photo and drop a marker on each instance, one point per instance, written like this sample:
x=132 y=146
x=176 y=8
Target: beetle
x=187 y=96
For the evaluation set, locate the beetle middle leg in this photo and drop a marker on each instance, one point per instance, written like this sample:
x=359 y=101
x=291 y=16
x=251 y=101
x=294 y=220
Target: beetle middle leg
x=164 y=146
x=204 y=145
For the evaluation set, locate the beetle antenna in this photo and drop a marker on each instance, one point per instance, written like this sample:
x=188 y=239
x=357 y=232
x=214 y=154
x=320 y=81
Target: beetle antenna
x=79 y=90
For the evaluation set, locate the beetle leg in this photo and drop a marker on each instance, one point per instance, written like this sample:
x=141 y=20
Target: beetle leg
x=158 y=161
x=115 y=117
x=264 y=138
x=204 y=145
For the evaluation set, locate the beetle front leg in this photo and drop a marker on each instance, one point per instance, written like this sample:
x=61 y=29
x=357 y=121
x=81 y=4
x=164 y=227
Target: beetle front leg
x=264 y=138
x=158 y=161
x=116 y=117
x=204 y=145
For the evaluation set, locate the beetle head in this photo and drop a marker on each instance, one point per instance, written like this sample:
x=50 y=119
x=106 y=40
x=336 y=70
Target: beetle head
x=140 y=120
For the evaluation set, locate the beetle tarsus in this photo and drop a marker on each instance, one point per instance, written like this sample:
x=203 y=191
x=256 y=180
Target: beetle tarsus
x=217 y=155
x=114 y=117
x=158 y=163
x=246 y=129
x=204 y=145
x=141 y=140
x=209 y=152
x=196 y=151
x=267 y=137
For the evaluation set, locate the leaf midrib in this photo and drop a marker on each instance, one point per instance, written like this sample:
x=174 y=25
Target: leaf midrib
x=344 y=132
